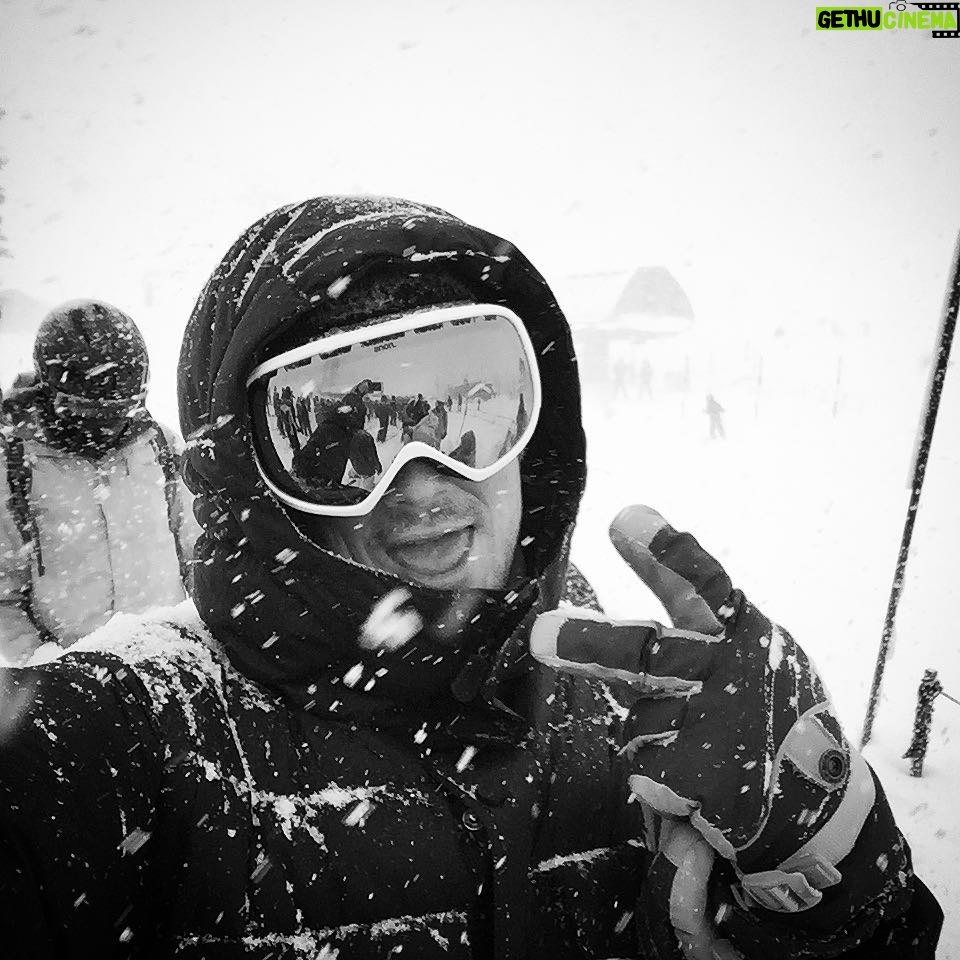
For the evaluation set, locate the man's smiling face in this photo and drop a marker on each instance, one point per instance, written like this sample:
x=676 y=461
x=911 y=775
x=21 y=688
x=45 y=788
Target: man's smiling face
x=437 y=529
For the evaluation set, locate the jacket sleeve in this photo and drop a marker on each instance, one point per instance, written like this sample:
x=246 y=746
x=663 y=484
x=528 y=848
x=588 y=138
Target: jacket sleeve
x=18 y=636
x=80 y=766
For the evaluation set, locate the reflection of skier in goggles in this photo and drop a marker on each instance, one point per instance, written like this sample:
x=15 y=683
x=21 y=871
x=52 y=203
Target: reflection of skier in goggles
x=323 y=459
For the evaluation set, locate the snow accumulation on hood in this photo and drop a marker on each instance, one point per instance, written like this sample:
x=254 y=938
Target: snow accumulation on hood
x=288 y=611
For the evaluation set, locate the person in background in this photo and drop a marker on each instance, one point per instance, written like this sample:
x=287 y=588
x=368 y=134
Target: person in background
x=365 y=463
x=287 y=419
x=465 y=451
x=427 y=430
x=384 y=413
x=302 y=408
x=415 y=411
x=412 y=413
x=714 y=412
x=92 y=519
x=357 y=744
x=324 y=457
x=442 y=419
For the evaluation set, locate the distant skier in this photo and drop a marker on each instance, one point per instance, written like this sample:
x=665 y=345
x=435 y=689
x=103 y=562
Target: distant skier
x=442 y=419
x=325 y=455
x=287 y=419
x=415 y=411
x=365 y=467
x=302 y=409
x=384 y=412
x=466 y=449
x=428 y=430
x=714 y=411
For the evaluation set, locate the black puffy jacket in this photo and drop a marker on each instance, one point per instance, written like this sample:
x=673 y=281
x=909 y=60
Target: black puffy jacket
x=183 y=810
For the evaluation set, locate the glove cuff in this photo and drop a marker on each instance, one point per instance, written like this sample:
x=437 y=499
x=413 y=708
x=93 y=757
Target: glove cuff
x=796 y=882
x=876 y=889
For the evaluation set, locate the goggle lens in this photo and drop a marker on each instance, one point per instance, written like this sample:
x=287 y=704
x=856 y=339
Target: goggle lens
x=334 y=421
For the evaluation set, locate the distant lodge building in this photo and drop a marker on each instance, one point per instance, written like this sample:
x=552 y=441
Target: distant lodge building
x=639 y=337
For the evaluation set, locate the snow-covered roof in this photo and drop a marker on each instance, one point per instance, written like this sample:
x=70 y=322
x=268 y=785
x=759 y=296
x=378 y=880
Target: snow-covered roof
x=648 y=303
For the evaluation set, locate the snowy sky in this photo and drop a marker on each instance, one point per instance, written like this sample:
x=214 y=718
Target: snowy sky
x=785 y=175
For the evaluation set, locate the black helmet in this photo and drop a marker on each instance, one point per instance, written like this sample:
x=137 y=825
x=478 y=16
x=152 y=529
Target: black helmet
x=91 y=366
x=91 y=350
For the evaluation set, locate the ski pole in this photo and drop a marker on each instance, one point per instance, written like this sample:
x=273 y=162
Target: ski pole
x=935 y=389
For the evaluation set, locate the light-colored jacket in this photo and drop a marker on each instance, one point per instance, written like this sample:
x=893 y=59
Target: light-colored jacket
x=109 y=537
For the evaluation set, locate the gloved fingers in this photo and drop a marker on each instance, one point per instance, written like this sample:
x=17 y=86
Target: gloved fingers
x=660 y=798
x=673 y=806
x=690 y=583
x=693 y=858
x=653 y=658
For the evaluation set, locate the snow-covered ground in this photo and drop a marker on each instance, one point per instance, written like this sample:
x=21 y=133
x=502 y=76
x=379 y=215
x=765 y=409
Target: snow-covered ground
x=801 y=185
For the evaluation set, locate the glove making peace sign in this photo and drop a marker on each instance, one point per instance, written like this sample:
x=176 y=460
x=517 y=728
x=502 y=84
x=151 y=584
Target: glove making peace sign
x=735 y=752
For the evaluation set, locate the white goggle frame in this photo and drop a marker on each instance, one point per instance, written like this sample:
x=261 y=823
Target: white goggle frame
x=415 y=449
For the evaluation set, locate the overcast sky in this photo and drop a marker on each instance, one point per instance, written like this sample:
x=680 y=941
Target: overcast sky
x=786 y=176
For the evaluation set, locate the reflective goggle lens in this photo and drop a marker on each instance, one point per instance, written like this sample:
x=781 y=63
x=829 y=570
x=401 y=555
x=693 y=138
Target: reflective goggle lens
x=336 y=420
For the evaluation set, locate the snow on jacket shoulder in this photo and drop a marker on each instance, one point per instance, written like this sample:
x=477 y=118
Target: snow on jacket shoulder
x=191 y=813
x=110 y=536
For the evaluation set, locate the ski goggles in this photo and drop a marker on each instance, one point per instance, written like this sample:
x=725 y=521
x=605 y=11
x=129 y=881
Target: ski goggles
x=334 y=421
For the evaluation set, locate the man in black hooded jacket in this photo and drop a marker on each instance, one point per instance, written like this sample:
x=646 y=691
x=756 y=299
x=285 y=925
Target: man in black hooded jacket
x=254 y=777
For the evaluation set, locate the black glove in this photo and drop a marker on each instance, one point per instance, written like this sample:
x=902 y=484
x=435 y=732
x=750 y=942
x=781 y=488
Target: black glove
x=737 y=753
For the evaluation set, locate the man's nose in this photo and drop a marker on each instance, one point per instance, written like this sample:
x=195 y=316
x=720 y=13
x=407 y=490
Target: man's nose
x=418 y=483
